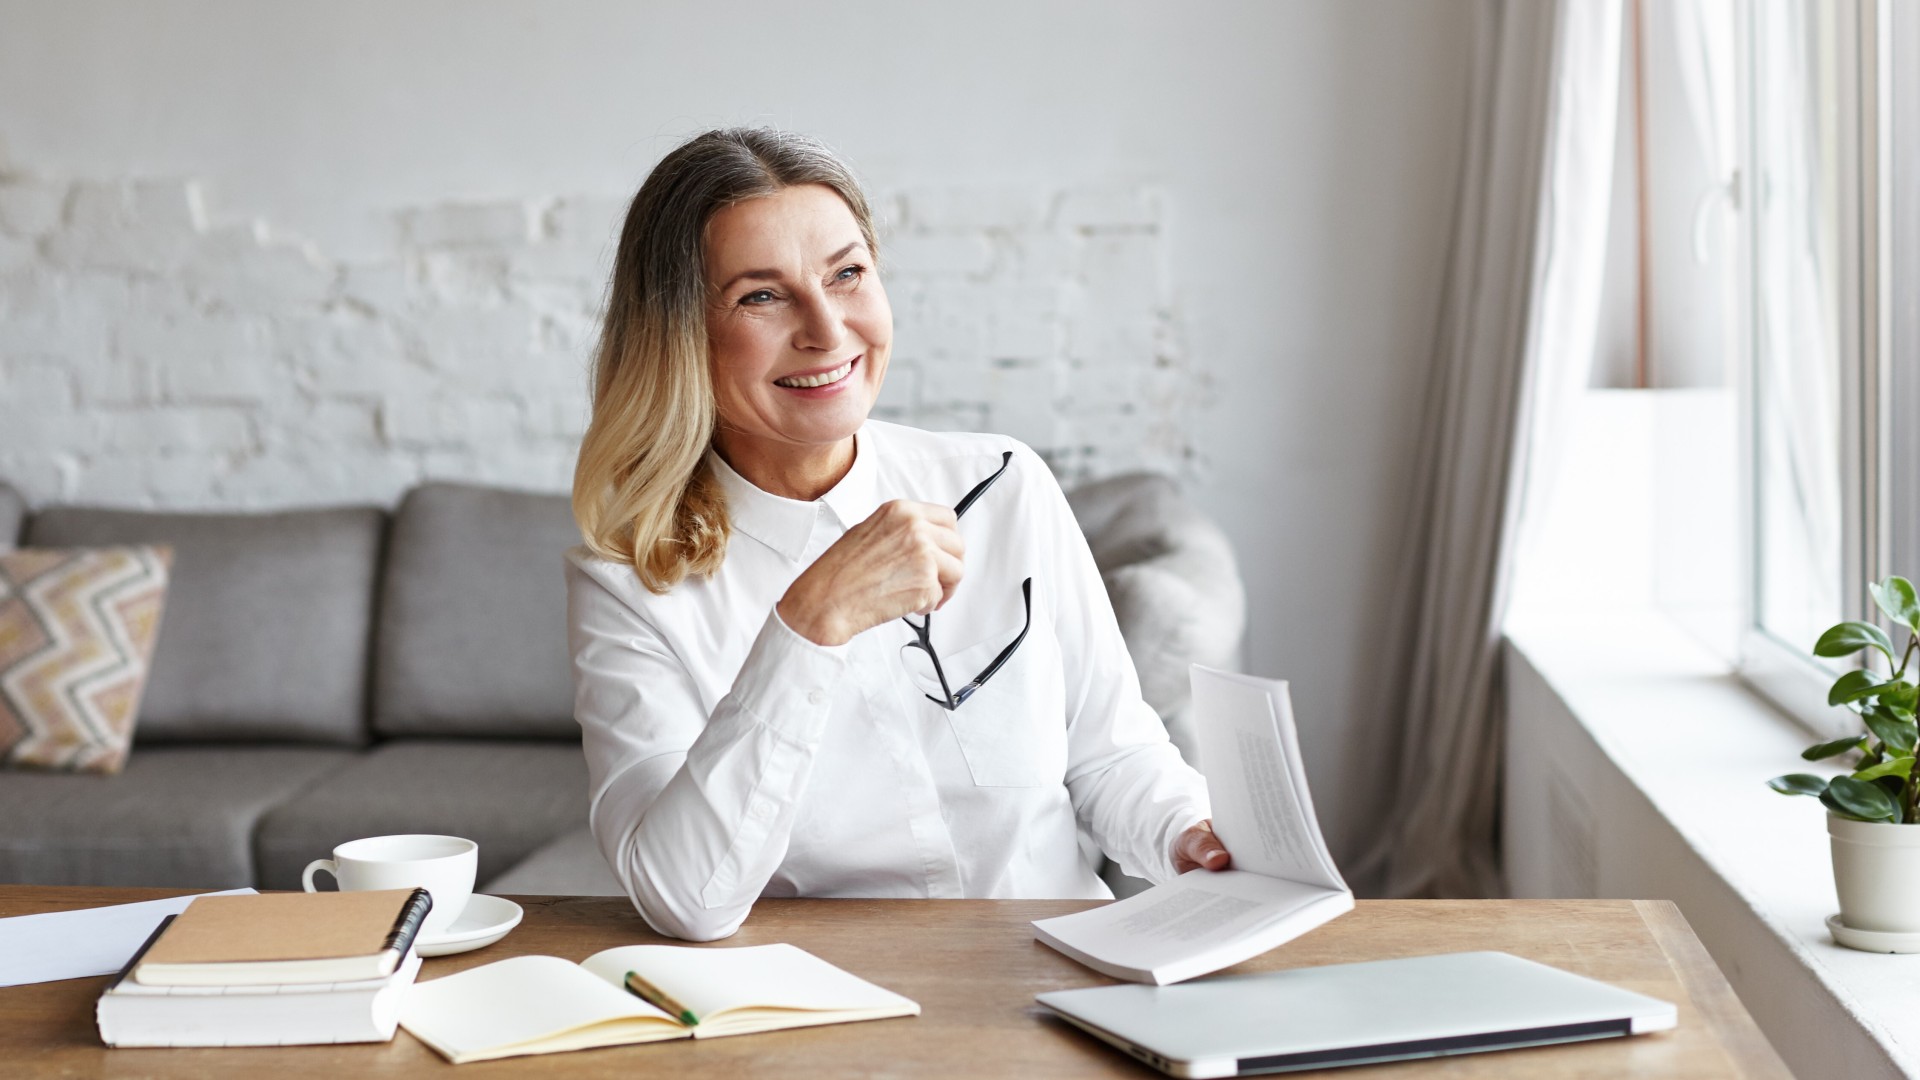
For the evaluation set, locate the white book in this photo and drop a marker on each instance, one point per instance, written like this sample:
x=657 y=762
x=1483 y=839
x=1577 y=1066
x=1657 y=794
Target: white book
x=543 y=1004
x=131 y=1013
x=1283 y=882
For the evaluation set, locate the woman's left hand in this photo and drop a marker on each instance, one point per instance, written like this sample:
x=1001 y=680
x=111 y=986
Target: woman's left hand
x=1198 y=847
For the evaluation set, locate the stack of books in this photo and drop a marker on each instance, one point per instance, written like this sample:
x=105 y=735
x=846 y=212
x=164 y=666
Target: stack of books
x=270 y=970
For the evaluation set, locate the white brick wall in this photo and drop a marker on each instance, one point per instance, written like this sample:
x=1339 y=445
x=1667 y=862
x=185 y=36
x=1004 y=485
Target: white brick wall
x=154 y=353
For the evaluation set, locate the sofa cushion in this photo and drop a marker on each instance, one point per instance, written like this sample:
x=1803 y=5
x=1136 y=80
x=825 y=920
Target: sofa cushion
x=568 y=865
x=77 y=627
x=177 y=816
x=13 y=513
x=508 y=795
x=473 y=616
x=267 y=621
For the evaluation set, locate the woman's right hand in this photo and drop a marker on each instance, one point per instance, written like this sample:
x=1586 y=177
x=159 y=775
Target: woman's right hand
x=906 y=558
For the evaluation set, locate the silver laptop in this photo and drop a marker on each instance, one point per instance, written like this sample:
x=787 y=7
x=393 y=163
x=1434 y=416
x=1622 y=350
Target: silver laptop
x=1355 y=1014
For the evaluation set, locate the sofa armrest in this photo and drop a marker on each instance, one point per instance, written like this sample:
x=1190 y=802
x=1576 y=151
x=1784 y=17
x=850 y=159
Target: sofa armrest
x=13 y=514
x=1175 y=586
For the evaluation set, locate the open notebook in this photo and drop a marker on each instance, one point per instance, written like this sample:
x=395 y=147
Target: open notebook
x=543 y=1004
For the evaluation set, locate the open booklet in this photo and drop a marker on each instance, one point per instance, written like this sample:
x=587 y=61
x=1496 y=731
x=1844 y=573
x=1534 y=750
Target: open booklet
x=543 y=1004
x=1283 y=883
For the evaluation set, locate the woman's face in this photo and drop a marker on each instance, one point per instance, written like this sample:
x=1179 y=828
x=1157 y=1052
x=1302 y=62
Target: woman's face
x=799 y=327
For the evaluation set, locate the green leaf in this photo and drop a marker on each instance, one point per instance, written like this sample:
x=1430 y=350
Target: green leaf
x=1829 y=749
x=1827 y=800
x=1798 y=784
x=1851 y=637
x=1898 y=735
x=1895 y=788
x=1901 y=767
x=1900 y=696
x=1896 y=597
x=1853 y=686
x=1863 y=800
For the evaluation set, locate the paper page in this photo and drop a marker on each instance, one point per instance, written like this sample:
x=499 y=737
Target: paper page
x=1197 y=911
x=710 y=981
x=517 y=1001
x=1251 y=757
x=77 y=944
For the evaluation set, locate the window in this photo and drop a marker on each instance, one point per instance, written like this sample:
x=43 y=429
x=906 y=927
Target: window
x=1830 y=503
x=1748 y=457
x=1899 y=60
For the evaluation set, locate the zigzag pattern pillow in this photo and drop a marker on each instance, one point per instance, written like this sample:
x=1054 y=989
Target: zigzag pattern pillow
x=77 y=627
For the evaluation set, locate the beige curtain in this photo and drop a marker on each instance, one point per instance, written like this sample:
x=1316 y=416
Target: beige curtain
x=1515 y=342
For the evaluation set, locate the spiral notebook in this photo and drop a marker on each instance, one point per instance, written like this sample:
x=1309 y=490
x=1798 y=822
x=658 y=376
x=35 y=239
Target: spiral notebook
x=282 y=938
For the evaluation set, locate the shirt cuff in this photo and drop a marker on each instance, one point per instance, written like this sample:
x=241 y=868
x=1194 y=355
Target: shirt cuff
x=1181 y=822
x=788 y=682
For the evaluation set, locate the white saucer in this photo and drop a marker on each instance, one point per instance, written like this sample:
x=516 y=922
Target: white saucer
x=485 y=920
x=1880 y=941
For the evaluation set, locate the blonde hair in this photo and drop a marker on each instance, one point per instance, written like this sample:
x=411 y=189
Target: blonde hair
x=642 y=491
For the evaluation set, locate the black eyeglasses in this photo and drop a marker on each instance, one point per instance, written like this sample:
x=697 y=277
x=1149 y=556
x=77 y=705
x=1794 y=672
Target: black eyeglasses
x=950 y=698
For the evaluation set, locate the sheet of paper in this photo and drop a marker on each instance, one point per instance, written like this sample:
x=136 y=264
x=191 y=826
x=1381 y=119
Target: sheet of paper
x=510 y=1005
x=77 y=944
x=710 y=981
x=1251 y=757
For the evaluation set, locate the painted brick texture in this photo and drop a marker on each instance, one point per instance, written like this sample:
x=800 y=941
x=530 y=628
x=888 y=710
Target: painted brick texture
x=155 y=354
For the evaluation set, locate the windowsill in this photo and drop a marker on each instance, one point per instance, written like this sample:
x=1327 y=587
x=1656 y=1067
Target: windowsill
x=1674 y=793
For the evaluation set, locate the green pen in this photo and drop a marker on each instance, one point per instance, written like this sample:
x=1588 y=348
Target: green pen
x=653 y=995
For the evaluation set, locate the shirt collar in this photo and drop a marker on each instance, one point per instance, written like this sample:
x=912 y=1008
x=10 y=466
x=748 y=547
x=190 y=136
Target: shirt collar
x=857 y=495
x=786 y=525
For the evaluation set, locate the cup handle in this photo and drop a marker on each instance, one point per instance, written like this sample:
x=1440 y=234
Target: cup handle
x=306 y=876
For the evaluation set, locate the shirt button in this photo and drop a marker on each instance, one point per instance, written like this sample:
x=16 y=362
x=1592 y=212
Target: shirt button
x=762 y=809
x=817 y=697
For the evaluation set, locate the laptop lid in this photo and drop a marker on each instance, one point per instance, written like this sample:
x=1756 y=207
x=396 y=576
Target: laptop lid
x=1352 y=1014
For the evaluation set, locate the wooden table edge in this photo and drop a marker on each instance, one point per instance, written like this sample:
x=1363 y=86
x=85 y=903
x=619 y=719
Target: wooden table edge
x=1746 y=1045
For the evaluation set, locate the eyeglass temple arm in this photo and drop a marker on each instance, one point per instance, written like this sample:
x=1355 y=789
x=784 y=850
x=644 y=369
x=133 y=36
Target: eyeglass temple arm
x=965 y=692
x=979 y=489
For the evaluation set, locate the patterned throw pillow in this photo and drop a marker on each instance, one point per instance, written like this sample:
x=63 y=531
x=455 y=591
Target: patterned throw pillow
x=77 y=627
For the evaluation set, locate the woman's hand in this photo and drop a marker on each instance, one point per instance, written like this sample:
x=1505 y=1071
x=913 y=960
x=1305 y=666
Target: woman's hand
x=905 y=558
x=1198 y=847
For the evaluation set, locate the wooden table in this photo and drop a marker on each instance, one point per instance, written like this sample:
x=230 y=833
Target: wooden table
x=974 y=968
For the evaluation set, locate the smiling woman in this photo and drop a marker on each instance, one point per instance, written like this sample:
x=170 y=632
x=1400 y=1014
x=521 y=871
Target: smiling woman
x=767 y=704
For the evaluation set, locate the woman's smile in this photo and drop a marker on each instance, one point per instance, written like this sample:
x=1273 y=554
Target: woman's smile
x=819 y=381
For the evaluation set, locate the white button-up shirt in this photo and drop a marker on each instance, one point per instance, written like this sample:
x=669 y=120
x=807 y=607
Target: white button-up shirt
x=730 y=758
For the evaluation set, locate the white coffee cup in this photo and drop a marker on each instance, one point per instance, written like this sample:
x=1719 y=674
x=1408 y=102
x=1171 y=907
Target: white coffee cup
x=442 y=865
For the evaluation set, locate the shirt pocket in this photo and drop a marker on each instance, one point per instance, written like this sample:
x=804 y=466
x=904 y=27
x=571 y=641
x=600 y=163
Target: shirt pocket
x=1012 y=730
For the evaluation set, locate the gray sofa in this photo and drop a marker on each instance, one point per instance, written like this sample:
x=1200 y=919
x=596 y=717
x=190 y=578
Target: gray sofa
x=326 y=674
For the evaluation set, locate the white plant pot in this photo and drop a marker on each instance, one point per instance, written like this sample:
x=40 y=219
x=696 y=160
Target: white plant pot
x=1876 y=871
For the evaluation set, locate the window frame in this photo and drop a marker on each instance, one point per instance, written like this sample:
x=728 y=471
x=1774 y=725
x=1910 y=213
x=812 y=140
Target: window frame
x=1899 y=171
x=1786 y=673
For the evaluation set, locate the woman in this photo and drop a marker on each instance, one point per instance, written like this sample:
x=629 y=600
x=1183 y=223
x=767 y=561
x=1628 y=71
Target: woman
x=770 y=704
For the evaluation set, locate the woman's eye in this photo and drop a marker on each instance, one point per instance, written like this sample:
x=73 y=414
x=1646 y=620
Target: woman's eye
x=849 y=273
x=758 y=296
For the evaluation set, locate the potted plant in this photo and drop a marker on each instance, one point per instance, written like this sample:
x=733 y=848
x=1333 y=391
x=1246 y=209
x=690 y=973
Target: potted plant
x=1872 y=809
